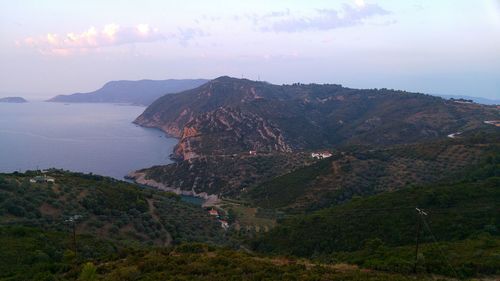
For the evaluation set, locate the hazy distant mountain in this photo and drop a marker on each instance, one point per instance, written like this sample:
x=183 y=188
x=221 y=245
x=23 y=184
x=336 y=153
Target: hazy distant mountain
x=13 y=100
x=142 y=92
x=474 y=99
x=229 y=115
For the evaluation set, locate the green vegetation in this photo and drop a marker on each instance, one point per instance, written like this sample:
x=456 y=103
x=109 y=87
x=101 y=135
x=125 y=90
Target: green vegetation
x=283 y=190
x=226 y=175
x=478 y=255
x=199 y=262
x=247 y=218
x=125 y=232
x=106 y=208
x=363 y=171
x=229 y=115
x=33 y=254
x=28 y=253
x=461 y=232
x=455 y=212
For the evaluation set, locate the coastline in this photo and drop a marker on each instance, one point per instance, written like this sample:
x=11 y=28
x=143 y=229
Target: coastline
x=140 y=178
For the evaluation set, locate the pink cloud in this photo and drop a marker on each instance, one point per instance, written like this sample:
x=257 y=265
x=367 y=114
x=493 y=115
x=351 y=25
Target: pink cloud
x=91 y=39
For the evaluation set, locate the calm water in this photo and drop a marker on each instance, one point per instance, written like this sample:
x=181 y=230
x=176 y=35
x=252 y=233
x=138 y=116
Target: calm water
x=97 y=138
x=193 y=200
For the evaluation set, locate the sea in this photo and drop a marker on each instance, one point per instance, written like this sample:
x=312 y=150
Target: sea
x=90 y=138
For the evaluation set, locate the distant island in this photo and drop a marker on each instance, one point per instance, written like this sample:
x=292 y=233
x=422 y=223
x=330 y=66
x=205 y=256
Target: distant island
x=142 y=92
x=13 y=100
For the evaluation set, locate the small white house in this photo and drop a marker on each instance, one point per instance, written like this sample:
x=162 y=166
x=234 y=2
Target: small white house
x=321 y=155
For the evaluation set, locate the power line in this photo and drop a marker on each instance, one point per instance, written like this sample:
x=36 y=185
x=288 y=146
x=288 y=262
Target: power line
x=350 y=213
x=439 y=248
x=72 y=220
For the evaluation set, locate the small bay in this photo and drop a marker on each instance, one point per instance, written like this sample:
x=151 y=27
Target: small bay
x=96 y=138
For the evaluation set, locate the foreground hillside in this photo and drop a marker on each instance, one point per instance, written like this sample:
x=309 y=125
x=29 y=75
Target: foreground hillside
x=127 y=233
x=142 y=92
x=199 y=262
x=105 y=208
x=460 y=231
x=458 y=238
x=39 y=253
x=228 y=115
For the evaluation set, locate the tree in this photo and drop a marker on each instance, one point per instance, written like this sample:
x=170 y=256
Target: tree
x=88 y=272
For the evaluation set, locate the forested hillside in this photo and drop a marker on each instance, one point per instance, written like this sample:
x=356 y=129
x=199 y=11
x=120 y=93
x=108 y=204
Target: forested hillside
x=104 y=207
x=363 y=170
x=227 y=175
x=460 y=228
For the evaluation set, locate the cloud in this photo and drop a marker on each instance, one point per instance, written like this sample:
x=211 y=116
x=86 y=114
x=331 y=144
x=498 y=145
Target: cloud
x=324 y=19
x=187 y=34
x=91 y=39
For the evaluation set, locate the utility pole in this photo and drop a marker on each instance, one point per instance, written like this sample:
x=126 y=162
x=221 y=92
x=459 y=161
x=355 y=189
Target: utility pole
x=420 y=213
x=72 y=220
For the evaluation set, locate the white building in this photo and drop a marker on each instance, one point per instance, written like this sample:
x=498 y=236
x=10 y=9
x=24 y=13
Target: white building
x=321 y=155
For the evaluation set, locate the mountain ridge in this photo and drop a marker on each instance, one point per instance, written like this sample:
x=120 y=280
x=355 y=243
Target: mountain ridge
x=229 y=115
x=140 y=92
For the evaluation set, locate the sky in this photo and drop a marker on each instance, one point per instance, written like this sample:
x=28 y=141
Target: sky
x=440 y=47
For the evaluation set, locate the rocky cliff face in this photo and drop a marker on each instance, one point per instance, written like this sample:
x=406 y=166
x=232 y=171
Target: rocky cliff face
x=229 y=131
x=228 y=115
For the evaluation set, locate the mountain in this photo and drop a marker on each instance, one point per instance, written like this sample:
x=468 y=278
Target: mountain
x=142 y=92
x=13 y=100
x=229 y=115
